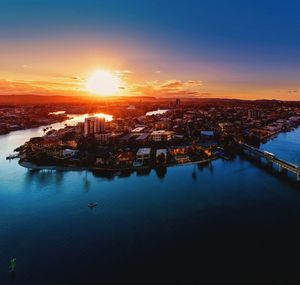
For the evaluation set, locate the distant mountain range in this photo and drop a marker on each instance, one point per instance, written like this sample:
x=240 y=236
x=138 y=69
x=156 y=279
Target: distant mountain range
x=39 y=99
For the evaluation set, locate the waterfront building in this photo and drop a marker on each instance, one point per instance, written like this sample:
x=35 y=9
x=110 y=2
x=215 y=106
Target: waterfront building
x=126 y=158
x=159 y=136
x=161 y=156
x=179 y=150
x=182 y=159
x=93 y=125
x=143 y=154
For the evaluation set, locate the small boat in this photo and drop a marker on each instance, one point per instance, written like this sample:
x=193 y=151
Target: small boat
x=92 y=205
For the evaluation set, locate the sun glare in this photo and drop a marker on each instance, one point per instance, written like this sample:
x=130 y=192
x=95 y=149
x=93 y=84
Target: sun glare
x=103 y=82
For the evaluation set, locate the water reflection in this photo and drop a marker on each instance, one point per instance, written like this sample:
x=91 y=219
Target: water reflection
x=86 y=182
x=211 y=168
x=194 y=174
x=43 y=178
x=287 y=177
x=161 y=172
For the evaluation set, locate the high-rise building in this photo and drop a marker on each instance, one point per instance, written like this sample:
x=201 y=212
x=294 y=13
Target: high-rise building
x=94 y=125
x=177 y=102
x=254 y=114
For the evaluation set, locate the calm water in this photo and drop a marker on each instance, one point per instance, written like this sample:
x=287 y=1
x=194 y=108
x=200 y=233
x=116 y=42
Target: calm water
x=231 y=222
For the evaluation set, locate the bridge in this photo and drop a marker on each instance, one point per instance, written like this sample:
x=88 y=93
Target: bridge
x=272 y=159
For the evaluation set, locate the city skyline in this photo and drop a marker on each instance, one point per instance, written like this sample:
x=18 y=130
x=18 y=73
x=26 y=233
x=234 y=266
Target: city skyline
x=203 y=49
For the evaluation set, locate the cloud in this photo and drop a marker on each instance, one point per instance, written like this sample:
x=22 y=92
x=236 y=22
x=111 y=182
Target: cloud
x=178 y=84
x=38 y=87
x=26 y=66
x=122 y=72
x=292 y=91
x=191 y=88
x=74 y=85
x=77 y=78
x=171 y=84
x=65 y=77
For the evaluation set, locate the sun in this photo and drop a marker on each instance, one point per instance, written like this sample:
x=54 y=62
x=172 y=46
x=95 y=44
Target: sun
x=103 y=82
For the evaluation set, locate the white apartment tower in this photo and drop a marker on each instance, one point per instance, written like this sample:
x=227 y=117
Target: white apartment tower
x=94 y=125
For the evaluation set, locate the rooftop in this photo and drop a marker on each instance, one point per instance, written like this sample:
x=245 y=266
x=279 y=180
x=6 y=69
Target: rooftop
x=160 y=151
x=138 y=129
x=144 y=151
x=161 y=132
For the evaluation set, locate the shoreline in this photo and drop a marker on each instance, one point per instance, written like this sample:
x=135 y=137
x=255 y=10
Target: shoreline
x=275 y=134
x=34 y=167
x=32 y=127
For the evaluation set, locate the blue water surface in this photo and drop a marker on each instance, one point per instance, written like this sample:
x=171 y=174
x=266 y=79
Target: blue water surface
x=227 y=222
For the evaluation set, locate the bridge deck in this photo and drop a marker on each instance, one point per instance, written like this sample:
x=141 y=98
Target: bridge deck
x=282 y=163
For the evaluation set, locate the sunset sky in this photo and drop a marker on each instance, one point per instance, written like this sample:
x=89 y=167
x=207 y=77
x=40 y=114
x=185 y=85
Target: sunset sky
x=212 y=48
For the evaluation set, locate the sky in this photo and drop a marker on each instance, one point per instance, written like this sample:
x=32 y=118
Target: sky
x=212 y=48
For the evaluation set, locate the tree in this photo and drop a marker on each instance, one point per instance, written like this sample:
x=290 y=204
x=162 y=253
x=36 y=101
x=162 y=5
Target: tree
x=161 y=159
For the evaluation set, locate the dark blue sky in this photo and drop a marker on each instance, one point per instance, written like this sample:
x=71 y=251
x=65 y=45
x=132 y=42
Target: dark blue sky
x=235 y=43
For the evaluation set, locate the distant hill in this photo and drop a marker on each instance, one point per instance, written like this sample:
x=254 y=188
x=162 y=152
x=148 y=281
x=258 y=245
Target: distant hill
x=38 y=99
x=35 y=99
x=60 y=99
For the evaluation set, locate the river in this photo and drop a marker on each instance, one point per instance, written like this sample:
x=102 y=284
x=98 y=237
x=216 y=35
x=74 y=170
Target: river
x=227 y=222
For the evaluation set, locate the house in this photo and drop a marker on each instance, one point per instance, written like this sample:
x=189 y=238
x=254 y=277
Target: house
x=159 y=136
x=162 y=125
x=143 y=154
x=138 y=129
x=179 y=150
x=126 y=158
x=207 y=134
x=142 y=138
x=69 y=152
x=161 y=156
x=182 y=158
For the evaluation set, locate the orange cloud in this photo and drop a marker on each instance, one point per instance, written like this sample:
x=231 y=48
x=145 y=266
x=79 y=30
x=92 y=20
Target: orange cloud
x=8 y=87
x=178 y=84
x=60 y=84
x=191 y=88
